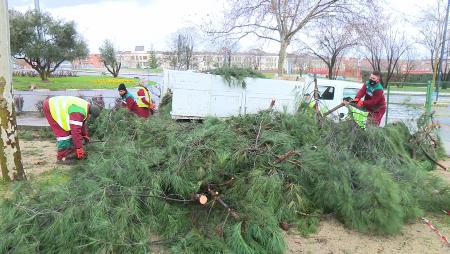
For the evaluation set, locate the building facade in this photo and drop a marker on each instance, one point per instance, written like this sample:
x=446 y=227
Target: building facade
x=295 y=64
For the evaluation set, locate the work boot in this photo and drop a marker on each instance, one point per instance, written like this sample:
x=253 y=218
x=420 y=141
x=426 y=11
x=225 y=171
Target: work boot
x=66 y=156
x=68 y=160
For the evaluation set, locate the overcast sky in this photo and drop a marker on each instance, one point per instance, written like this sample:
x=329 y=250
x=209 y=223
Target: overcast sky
x=129 y=23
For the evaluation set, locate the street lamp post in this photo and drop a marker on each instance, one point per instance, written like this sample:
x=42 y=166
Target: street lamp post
x=442 y=52
x=36 y=6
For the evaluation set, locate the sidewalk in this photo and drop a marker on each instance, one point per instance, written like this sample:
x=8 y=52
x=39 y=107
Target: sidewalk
x=31 y=120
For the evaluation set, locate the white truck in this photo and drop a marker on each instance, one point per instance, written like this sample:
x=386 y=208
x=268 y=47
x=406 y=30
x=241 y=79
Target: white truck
x=198 y=95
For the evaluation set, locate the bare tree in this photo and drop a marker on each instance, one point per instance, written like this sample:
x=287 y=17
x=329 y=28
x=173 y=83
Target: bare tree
x=330 y=43
x=228 y=48
x=182 y=45
x=382 y=45
x=431 y=25
x=405 y=66
x=256 y=56
x=395 y=45
x=279 y=21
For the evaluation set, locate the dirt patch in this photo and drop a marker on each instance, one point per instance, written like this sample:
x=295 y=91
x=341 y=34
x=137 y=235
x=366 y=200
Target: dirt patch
x=38 y=157
x=442 y=173
x=333 y=237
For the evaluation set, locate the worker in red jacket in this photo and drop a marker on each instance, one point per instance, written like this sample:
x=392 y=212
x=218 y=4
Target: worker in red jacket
x=67 y=116
x=131 y=103
x=144 y=100
x=374 y=101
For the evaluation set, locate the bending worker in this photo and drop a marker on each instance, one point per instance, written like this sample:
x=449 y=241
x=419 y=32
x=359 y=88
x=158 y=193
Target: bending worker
x=144 y=99
x=374 y=101
x=67 y=116
x=129 y=101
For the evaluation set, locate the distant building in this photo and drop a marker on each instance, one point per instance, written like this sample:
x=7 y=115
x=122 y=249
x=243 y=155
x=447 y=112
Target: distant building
x=93 y=61
x=295 y=63
x=135 y=59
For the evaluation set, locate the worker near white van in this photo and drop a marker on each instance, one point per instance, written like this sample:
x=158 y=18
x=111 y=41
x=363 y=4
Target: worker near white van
x=144 y=99
x=311 y=103
x=371 y=98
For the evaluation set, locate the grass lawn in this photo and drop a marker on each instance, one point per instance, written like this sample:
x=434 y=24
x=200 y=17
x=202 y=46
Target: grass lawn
x=141 y=71
x=416 y=89
x=81 y=82
x=269 y=75
x=409 y=88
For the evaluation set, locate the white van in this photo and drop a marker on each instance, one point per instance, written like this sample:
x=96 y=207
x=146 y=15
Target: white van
x=333 y=92
x=198 y=95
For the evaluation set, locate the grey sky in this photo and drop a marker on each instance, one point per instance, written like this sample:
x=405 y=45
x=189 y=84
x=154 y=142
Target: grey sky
x=150 y=22
x=50 y=3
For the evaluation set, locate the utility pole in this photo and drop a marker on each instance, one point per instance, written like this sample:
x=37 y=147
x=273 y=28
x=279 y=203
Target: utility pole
x=36 y=6
x=442 y=52
x=10 y=157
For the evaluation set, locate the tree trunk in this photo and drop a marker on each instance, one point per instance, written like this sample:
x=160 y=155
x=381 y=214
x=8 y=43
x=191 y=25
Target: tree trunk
x=115 y=73
x=43 y=75
x=281 y=57
x=330 y=71
x=10 y=157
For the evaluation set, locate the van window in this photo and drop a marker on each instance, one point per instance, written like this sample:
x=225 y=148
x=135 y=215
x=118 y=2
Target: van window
x=326 y=92
x=350 y=92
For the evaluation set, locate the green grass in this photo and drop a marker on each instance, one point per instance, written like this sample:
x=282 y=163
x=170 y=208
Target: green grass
x=53 y=178
x=269 y=75
x=142 y=71
x=81 y=82
x=416 y=89
x=46 y=180
x=409 y=88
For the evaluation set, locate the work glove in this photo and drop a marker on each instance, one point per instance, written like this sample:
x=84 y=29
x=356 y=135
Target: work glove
x=80 y=153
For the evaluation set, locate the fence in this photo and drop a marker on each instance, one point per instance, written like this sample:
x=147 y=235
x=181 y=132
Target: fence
x=406 y=103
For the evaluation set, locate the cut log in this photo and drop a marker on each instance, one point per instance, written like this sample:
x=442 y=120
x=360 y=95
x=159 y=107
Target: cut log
x=200 y=198
x=334 y=109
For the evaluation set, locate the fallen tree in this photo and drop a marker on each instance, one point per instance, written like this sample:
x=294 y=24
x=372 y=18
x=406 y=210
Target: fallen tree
x=223 y=186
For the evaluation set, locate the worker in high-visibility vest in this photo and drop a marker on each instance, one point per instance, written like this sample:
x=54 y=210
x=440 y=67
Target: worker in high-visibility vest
x=358 y=115
x=67 y=116
x=144 y=99
x=131 y=102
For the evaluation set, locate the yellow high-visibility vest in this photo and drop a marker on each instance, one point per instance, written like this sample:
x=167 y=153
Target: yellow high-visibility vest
x=139 y=99
x=62 y=106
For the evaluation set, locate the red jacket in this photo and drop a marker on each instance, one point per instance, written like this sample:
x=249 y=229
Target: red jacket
x=129 y=102
x=78 y=127
x=141 y=92
x=373 y=97
x=77 y=131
